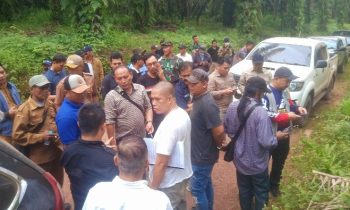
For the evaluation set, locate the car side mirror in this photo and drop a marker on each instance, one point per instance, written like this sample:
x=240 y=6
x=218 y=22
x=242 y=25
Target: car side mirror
x=321 y=64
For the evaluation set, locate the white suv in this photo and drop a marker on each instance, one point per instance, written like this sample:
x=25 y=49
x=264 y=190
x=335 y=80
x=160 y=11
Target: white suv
x=308 y=59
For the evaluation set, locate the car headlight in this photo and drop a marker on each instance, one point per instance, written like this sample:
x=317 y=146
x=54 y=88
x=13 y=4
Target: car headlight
x=236 y=77
x=296 y=86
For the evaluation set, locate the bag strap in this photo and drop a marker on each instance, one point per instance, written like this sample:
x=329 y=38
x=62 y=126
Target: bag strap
x=244 y=121
x=126 y=96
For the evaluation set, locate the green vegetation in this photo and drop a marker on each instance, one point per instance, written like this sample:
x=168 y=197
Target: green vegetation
x=327 y=150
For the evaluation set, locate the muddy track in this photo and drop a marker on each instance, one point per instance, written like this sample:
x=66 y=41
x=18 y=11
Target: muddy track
x=224 y=174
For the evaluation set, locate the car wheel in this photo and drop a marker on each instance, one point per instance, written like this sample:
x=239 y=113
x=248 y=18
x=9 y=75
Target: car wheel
x=305 y=118
x=341 y=68
x=329 y=89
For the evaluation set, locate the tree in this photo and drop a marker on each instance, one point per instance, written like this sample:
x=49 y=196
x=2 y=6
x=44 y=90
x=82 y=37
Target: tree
x=322 y=14
x=248 y=19
x=293 y=18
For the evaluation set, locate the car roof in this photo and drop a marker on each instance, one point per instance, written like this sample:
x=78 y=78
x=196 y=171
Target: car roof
x=293 y=40
x=11 y=151
x=335 y=38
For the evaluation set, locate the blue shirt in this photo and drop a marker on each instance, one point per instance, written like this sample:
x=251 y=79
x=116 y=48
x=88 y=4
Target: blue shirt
x=6 y=124
x=54 y=78
x=182 y=94
x=252 y=147
x=87 y=163
x=67 y=121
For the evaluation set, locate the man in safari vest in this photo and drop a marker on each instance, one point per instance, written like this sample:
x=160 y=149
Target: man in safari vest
x=282 y=111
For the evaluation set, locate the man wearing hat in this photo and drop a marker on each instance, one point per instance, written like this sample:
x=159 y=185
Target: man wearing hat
x=183 y=54
x=253 y=145
x=282 y=111
x=170 y=63
x=34 y=128
x=95 y=66
x=202 y=59
x=226 y=50
x=207 y=137
x=67 y=116
x=256 y=71
x=75 y=65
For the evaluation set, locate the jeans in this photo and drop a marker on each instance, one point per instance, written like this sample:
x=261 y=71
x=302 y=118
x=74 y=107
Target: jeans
x=279 y=156
x=202 y=187
x=250 y=186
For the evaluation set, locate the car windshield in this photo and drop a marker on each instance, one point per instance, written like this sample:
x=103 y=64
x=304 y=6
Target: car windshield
x=284 y=53
x=331 y=44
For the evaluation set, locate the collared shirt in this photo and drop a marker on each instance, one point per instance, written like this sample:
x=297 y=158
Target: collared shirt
x=198 y=58
x=108 y=84
x=187 y=57
x=182 y=94
x=54 y=78
x=265 y=74
x=30 y=125
x=253 y=146
x=225 y=52
x=87 y=163
x=67 y=121
x=6 y=124
x=205 y=116
x=216 y=84
x=127 y=118
x=121 y=194
x=170 y=66
x=98 y=72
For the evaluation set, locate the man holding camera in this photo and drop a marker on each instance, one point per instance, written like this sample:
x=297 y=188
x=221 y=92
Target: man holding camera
x=34 y=129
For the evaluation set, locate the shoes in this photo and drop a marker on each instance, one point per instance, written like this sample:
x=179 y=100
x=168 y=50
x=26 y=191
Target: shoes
x=275 y=191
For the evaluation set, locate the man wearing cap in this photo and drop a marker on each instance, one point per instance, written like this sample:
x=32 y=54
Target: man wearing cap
x=253 y=145
x=67 y=116
x=75 y=65
x=95 y=66
x=170 y=63
x=183 y=53
x=128 y=109
x=108 y=83
x=282 y=111
x=256 y=71
x=34 y=128
x=226 y=49
x=155 y=50
x=207 y=137
x=56 y=72
x=202 y=59
x=222 y=85
x=9 y=100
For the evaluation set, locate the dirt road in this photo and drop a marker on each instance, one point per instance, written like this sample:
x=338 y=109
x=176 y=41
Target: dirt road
x=224 y=178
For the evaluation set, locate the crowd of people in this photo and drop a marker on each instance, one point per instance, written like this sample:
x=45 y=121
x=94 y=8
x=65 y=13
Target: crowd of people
x=147 y=135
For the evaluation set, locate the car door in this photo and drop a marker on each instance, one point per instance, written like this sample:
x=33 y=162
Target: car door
x=341 y=51
x=321 y=74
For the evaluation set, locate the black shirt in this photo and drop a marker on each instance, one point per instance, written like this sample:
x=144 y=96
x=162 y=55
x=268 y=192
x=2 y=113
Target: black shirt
x=108 y=84
x=147 y=81
x=213 y=52
x=204 y=117
x=87 y=163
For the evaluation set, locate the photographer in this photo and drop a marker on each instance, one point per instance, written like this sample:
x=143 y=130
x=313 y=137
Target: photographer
x=34 y=128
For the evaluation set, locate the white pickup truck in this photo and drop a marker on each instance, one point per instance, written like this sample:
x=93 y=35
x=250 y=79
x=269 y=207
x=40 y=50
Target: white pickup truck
x=308 y=59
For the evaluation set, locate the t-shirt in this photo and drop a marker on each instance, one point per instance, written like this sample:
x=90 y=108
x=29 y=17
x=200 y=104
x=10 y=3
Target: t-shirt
x=187 y=57
x=175 y=127
x=120 y=194
x=204 y=117
x=147 y=81
x=87 y=163
x=54 y=78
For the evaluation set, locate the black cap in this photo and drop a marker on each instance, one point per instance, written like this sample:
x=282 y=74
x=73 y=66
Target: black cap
x=257 y=58
x=182 y=46
x=257 y=83
x=87 y=48
x=226 y=39
x=198 y=75
x=286 y=73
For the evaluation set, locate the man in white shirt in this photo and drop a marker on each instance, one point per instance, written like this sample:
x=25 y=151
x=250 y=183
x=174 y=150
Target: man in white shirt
x=183 y=54
x=174 y=131
x=128 y=191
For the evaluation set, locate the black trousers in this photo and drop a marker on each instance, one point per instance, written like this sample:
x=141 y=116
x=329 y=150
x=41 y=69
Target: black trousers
x=279 y=156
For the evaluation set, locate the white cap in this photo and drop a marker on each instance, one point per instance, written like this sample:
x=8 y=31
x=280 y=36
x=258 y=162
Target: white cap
x=75 y=83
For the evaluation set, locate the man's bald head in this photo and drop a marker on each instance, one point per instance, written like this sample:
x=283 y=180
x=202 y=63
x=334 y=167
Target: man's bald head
x=165 y=88
x=132 y=158
x=163 y=97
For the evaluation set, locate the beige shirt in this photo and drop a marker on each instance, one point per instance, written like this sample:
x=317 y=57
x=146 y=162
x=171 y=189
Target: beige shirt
x=265 y=74
x=30 y=125
x=216 y=84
